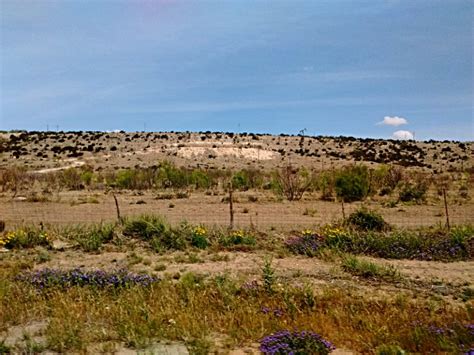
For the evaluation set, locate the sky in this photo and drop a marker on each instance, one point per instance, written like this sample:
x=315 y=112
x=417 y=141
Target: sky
x=381 y=68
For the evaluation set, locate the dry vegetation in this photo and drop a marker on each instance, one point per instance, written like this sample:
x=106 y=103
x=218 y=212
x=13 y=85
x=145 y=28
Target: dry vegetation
x=78 y=275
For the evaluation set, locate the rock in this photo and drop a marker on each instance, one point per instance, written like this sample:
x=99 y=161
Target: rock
x=61 y=245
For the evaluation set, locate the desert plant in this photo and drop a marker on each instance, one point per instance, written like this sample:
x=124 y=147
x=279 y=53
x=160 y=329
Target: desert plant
x=413 y=192
x=365 y=219
x=28 y=237
x=90 y=239
x=352 y=184
x=199 y=238
x=292 y=182
x=145 y=226
x=237 y=238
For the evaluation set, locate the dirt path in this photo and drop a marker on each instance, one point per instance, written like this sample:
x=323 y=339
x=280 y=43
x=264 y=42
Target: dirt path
x=74 y=163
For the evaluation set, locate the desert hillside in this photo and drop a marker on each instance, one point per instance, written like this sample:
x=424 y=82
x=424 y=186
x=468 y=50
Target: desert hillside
x=46 y=150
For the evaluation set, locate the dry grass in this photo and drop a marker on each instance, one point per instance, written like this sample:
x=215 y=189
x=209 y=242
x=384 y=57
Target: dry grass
x=195 y=308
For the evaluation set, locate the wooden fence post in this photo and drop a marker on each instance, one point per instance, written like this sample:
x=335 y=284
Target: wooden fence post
x=117 y=208
x=446 y=208
x=231 y=206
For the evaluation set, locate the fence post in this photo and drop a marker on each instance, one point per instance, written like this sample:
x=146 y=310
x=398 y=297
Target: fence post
x=446 y=208
x=231 y=206
x=117 y=208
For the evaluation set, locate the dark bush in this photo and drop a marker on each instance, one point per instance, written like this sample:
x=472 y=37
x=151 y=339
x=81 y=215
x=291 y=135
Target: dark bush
x=364 y=219
x=413 y=192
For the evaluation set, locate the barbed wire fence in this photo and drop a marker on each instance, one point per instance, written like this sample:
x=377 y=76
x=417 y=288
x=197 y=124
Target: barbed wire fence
x=250 y=209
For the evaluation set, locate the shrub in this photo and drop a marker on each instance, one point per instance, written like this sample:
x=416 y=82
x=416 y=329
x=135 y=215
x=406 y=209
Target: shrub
x=168 y=175
x=145 y=227
x=201 y=180
x=352 y=184
x=239 y=237
x=292 y=182
x=24 y=238
x=364 y=219
x=71 y=179
x=240 y=180
x=413 y=192
x=91 y=239
x=199 y=238
x=294 y=342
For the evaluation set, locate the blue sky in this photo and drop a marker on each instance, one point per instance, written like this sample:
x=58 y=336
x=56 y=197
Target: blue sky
x=332 y=67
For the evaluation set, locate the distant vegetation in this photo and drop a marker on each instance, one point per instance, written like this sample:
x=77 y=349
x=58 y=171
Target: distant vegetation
x=350 y=183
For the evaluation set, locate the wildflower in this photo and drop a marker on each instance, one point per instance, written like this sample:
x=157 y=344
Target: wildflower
x=47 y=278
x=287 y=342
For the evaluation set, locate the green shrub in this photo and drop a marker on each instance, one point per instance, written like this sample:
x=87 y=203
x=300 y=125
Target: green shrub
x=239 y=237
x=413 y=192
x=145 y=227
x=240 y=180
x=169 y=176
x=352 y=184
x=200 y=179
x=364 y=219
x=28 y=237
x=199 y=238
x=90 y=239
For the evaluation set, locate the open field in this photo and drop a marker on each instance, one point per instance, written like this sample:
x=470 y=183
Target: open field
x=176 y=243
x=266 y=213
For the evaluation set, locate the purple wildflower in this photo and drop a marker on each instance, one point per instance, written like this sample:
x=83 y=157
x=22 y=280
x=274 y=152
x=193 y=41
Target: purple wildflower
x=46 y=278
x=286 y=342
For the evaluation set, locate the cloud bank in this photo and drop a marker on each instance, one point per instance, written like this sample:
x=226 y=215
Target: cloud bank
x=393 y=121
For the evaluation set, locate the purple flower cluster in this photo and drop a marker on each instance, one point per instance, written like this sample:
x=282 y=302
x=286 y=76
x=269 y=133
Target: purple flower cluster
x=46 y=278
x=470 y=329
x=286 y=342
x=277 y=312
x=307 y=244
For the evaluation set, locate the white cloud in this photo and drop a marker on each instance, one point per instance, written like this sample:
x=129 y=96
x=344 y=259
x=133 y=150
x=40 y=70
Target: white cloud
x=402 y=135
x=393 y=121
